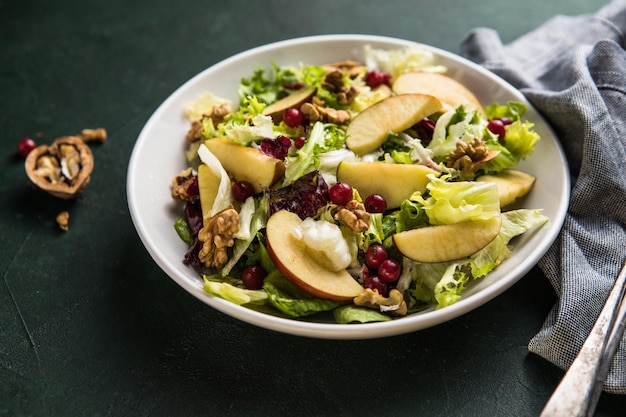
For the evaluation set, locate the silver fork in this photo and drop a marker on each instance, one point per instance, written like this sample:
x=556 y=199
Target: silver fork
x=579 y=391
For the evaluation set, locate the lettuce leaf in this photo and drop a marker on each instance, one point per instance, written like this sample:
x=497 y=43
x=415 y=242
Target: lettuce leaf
x=232 y=293
x=398 y=61
x=223 y=198
x=253 y=129
x=322 y=138
x=452 y=127
x=290 y=300
x=353 y=314
x=520 y=139
x=444 y=282
x=450 y=287
x=514 y=110
x=268 y=86
x=252 y=218
x=514 y=223
x=454 y=202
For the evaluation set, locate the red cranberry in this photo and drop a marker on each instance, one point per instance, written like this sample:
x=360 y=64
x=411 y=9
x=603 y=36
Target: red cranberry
x=497 y=127
x=376 y=78
x=241 y=190
x=375 y=255
x=299 y=142
x=375 y=283
x=340 y=193
x=24 y=146
x=375 y=203
x=253 y=277
x=293 y=118
x=389 y=271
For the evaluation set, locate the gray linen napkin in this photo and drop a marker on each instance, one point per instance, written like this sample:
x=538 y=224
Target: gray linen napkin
x=573 y=70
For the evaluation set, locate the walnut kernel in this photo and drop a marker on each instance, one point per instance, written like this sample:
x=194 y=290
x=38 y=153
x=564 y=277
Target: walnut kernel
x=63 y=219
x=63 y=169
x=354 y=216
x=469 y=157
x=394 y=304
x=217 y=236
x=94 y=135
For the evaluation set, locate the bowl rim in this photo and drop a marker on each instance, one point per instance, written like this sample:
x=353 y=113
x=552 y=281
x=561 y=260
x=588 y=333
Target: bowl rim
x=313 y=329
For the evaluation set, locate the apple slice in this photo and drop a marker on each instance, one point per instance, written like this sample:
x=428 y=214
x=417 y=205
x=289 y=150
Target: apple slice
x=244 y=163
x=395 y=182
x=369 y=129
x=292 y=260
x=512 y=184
x=449 y=91
x=208 y=185
x=448 y=242
x=294 y=100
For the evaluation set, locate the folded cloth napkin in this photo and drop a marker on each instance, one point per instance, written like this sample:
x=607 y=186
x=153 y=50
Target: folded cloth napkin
x=573 y=71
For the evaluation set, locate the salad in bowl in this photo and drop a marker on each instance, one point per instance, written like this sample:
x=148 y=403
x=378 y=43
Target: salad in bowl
x=367 y=190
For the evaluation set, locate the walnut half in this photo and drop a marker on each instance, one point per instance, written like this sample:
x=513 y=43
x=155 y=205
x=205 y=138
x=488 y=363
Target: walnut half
x=63 y=169
x=217 y=236
x=469 y=157
x=354 y=216
x=394 y=304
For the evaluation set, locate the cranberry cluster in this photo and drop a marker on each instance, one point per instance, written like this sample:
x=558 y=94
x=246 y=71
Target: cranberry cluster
x=380 y=272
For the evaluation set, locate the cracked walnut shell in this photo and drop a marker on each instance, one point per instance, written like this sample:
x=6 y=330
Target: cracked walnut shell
x=62 y=169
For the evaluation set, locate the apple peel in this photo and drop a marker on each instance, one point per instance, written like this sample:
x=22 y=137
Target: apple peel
x=300 y=268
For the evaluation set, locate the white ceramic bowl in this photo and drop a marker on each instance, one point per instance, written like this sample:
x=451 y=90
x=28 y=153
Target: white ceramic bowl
x=158 y=156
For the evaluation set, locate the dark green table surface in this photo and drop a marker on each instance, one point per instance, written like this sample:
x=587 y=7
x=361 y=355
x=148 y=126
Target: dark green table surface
x=90 y=326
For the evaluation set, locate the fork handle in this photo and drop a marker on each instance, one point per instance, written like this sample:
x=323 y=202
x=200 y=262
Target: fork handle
x=579 y=390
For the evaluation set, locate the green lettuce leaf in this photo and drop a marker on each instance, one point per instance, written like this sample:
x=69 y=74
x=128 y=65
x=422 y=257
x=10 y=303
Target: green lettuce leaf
x=444 y=282
x=323 y=138
x=252 y=218
x=183 y=231
x=398 y=61
x=290 y=300
x=454 y=202
x=452 y=127
x=514 y=110
x=232 y=293
x=411 y=214
x=450 y=287
x=354 y=314
x=520 y=139
x=514 y=223
x=268 y=85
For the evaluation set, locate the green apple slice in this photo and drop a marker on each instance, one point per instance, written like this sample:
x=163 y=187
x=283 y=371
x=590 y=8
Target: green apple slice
x=448 y=242
x=449 y=91
x=395 y=182
x=244 y=163
x=512 y=184
x=208 y=186
x=294 y=100
x=368 y=130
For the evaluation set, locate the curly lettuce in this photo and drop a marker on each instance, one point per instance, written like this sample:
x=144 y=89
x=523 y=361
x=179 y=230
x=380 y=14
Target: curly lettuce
x=454 y=202
x=324 y=137
x=445 y=282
